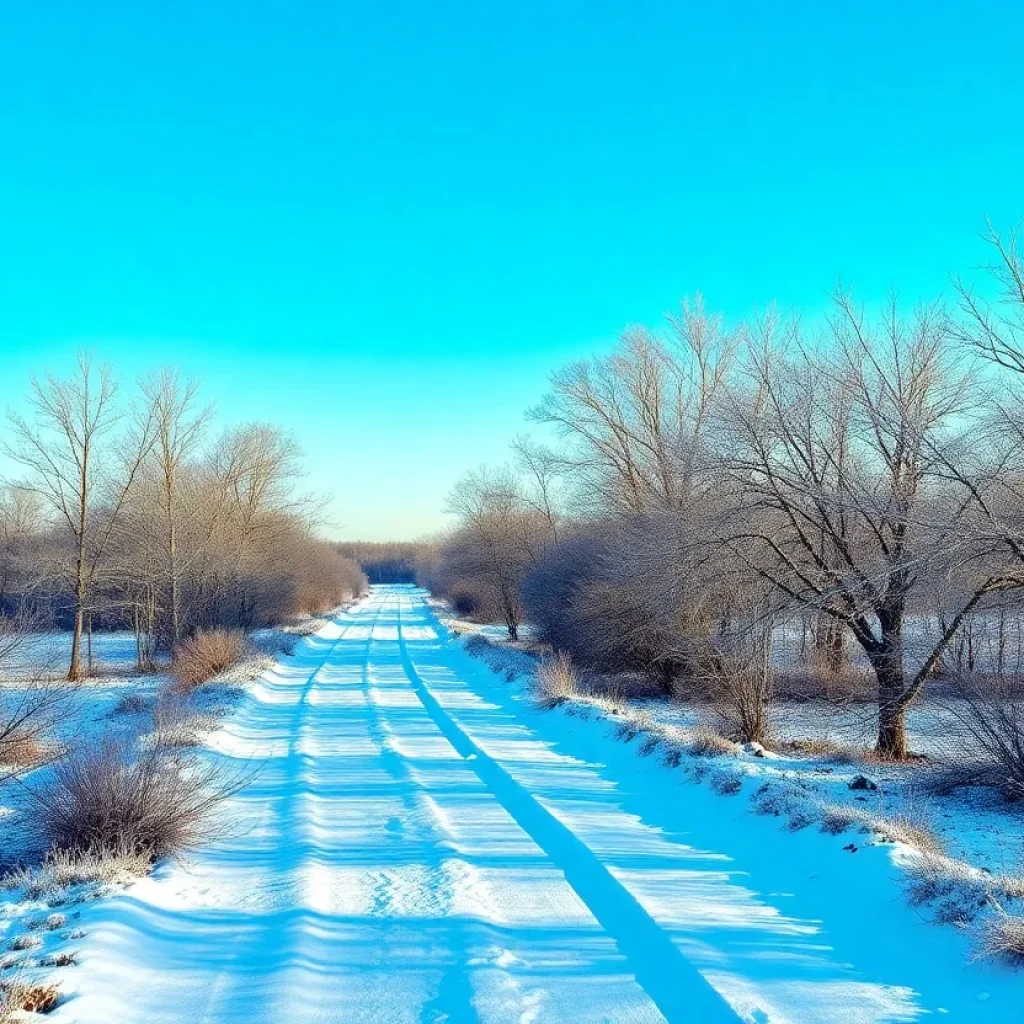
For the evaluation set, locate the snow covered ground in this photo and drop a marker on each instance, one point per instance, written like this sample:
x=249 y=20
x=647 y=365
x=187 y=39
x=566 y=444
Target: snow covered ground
x=423 y=844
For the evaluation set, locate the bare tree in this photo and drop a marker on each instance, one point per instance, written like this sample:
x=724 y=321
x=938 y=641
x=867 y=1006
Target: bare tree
x=636 y=422
x=540 y=467
x=996 y=328
x=75 y=464
x=840 y=464
x=501 y=537
x=20 y=515
x=178 y=424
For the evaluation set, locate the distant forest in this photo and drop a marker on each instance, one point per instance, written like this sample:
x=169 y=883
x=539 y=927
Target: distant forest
x=387 y=562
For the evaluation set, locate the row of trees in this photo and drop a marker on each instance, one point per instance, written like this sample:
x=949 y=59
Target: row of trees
x=130 y=511
x=711 y=483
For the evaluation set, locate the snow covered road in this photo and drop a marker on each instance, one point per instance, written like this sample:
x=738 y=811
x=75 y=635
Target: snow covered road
x=413 y=850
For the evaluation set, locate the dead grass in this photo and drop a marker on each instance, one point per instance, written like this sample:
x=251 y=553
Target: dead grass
x=62 y=870
x=23 y=752
x=557 y=680
x=707 y=742
x=204 y=656
x=827 y=750
x=908 y=826
x=17 y=997
x=1002 y=936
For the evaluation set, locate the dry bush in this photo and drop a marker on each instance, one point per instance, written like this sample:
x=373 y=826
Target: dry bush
x=22 y=752
x=130 y=704
x=726 y=783
x=827 y=750
x=1003 y=936
x=116 y=798
x=781 y=800
x=61 y=870
x=635 y=724
x=809 y=683
x=557 y=681
x=707 y=742
x=991 y=720
x=956 y=891
x=205 y=655
x=27 y=716
x=18 y=997
x=906 y=826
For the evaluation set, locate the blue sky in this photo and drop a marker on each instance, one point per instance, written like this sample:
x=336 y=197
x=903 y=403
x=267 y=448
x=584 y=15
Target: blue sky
x=382 y=225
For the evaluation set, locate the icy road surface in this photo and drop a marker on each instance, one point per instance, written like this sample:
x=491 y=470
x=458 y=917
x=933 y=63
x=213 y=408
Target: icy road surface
x=422 y=845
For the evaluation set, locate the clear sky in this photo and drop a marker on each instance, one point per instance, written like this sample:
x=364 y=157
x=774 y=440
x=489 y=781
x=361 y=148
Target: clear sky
x=382 y=224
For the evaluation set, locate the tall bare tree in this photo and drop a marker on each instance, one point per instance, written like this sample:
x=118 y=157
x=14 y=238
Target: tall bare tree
x=500 y=538
x=636 y=421
x=76 y=464
x=839 y=460
x=179 y=423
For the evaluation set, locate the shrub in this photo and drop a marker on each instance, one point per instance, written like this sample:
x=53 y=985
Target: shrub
x=61 y=870
x=994 y=721
x=205 y=655
x=1003 y=936
x=17 y=997
x=726 y=783
x=906 y=826
x=116 y=799
x=130 y=704
x=557 y=681
x=706 y=742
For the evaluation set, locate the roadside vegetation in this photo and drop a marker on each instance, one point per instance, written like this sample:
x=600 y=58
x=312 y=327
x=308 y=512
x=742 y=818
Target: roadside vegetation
x=150 y=565
x=802 y=542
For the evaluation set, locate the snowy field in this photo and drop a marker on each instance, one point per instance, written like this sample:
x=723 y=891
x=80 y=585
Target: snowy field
x=423 y=844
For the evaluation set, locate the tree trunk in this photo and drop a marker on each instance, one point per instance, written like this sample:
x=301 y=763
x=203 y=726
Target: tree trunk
x=829 y=644
x=888 y=666
x=75 y=671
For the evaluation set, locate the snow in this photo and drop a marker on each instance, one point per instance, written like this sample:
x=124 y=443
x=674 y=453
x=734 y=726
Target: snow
x=423 y=844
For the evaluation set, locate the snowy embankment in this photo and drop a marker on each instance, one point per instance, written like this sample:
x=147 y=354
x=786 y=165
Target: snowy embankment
x=423 y=843
x=41 y=905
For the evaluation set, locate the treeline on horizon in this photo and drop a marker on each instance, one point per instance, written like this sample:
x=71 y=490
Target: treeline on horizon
x=129 y=511
x=708 y=483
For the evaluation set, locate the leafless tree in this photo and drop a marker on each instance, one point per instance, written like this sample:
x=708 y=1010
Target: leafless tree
x=996 y=328
x=179 y=423
x=20 y=516
x=75 y=464
x=839 y=461
x=540 y=467
x=636 y=422
x=500 y=537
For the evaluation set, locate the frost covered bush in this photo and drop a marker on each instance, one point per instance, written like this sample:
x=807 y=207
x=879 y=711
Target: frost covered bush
x=557 y=681
x=61 y=870
x=1003 y=936
x=994 y=723
x=906 y=826
x=726 y=783
x=116 y=798
x=706 y=742
x=204 y=655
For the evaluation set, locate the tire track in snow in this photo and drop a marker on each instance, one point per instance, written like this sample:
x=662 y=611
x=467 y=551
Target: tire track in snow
x=673 y=984
x=223 y=989
x=453 y=999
